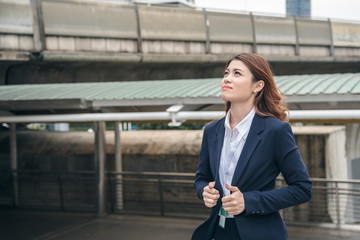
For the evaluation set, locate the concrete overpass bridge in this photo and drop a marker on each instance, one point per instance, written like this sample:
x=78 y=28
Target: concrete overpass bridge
x=90 y=41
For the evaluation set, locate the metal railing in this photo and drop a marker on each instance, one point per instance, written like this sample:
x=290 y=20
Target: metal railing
x=170 y=194
x=46 y=190
x=334 y=203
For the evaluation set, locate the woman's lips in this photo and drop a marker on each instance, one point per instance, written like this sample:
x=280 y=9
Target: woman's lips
x=226 y=87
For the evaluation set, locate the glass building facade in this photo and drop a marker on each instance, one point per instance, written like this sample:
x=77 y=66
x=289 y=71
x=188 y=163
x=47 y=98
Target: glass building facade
x=300 y=8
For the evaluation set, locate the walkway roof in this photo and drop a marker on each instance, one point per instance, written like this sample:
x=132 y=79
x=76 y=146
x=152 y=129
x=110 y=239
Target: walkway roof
x=325 y=91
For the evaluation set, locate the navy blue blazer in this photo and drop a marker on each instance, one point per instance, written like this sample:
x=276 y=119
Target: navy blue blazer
x=269 y=149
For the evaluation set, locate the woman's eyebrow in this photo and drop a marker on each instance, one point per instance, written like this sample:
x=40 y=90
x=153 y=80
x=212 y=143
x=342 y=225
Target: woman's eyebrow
x=239 y=69
x=235 y=69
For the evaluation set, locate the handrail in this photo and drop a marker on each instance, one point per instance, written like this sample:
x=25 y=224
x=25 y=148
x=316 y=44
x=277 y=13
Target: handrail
x=170 y=174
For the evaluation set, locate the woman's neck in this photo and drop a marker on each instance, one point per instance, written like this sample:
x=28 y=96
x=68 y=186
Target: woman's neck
x=238 y=113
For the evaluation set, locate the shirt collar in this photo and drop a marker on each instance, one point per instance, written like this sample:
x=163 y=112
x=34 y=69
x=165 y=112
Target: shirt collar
x=244 y=126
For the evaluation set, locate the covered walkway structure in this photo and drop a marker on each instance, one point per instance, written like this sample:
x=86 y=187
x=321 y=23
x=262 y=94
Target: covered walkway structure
x=303 y=92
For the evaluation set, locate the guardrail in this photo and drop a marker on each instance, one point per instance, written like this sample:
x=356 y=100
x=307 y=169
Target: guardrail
x=54 y=25
x=334 y=203
x=46 y=190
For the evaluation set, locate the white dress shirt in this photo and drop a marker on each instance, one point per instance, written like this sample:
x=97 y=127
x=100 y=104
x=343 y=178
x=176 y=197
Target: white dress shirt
x=234 y=141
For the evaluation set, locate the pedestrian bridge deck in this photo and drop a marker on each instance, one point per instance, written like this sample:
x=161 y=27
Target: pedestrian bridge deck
x=42 y=225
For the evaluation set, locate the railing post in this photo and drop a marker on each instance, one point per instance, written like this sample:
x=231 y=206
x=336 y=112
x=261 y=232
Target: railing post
x=14 y=165
x=161 y=197
x=337 y=200
x=15 y=188
x=61 y=195
x=111 y=198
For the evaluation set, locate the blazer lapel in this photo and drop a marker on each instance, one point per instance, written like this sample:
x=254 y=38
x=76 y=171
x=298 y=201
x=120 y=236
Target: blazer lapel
x=253 y=139
x=216 y=143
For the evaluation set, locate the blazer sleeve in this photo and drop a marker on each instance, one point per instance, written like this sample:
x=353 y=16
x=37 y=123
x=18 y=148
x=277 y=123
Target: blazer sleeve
x=203 y=174
x=298 y=189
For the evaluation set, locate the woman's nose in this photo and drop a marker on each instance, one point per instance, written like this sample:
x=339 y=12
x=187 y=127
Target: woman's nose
x=227 y=79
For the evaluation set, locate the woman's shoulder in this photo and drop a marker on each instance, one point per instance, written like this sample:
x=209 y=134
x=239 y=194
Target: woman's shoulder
x=275 y=123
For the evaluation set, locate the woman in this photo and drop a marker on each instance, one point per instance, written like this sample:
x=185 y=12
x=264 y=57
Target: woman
x=242 y=154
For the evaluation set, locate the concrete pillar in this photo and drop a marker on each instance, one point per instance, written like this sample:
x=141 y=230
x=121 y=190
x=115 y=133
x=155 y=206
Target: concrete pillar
x=14 y=164
x=335 y=158
x=353 y=141
x=118 y=168
x=100 y=157
x=353 y=156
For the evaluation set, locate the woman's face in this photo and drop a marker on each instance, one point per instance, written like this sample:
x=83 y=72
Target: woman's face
x=237 y=85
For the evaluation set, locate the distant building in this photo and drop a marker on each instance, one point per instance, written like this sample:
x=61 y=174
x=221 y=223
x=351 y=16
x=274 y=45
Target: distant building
x=300 y=8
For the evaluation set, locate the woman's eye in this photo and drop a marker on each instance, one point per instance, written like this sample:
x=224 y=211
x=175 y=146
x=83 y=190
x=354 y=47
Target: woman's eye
x=226 y=73
x=237 y=73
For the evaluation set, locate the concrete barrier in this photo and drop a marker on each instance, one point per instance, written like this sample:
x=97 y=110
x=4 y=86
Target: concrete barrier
x=16 y=17
x=274 y=30
x=313 y=32
x=229 y=27
x=66 y=18
x=16 y=25
x=346 y=34
x=163 y=23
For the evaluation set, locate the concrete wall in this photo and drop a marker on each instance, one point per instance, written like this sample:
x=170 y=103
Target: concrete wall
x=142 y=150
x=322 y=149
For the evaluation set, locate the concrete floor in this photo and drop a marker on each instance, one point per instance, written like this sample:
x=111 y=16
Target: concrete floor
x=38 y=225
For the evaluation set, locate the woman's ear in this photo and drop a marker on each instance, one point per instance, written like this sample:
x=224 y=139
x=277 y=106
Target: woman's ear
x=259 y=85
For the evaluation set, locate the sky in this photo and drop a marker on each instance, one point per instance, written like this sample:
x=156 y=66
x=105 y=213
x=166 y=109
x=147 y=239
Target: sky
x=334 y=9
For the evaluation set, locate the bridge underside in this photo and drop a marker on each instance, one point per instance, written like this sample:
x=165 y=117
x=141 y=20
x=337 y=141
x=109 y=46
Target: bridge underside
x=29 y=72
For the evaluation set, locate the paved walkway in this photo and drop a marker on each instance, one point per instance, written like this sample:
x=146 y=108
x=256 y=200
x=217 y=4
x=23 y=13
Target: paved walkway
x=37 y=225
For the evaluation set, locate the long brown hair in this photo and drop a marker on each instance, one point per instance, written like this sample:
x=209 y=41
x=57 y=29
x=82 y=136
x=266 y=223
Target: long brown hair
x=269 y=101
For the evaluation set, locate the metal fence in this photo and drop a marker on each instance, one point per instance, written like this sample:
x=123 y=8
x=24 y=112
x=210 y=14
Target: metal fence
x=62 y=191
x=335 y=203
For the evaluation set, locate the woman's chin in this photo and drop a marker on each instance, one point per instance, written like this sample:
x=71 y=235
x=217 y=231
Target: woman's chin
x=224 y=97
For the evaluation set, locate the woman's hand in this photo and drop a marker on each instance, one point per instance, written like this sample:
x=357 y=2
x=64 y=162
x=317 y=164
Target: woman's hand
x=210 y=195
x=234 y=203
